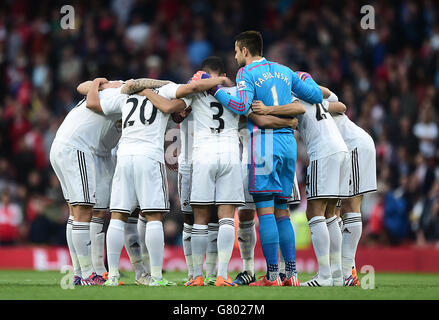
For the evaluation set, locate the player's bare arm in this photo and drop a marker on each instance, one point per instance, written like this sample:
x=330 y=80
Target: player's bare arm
x=163 y=104
x=178 y=117
x=273 y=122
x=84 y=87
x=136 y=85
x=291 y=109
x=200 y=86
x=93 y=101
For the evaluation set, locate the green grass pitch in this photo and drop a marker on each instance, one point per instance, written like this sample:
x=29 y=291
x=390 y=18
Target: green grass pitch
x=38 y=285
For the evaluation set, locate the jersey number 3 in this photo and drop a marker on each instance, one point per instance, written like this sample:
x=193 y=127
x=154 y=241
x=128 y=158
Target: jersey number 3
x=217 y=116
x=135 y=101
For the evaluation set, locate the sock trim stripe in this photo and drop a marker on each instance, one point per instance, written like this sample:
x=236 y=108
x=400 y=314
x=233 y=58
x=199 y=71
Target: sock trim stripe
x=187 y=230
x=76 y=227
x=97 y=220
x=198 y=232
x=352 y=220
x=317 y=221
x=227 y=222
x=132 y=220
x=331 y=222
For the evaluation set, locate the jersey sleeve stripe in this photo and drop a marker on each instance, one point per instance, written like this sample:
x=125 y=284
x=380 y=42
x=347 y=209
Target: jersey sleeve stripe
x=260 y=65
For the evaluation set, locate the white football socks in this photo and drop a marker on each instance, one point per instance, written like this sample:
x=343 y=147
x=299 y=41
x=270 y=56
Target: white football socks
x=141 y=229
x=132 y=246
x=320 y=242
x=247 y=242
x=115 y=242
x=226 y=239
x=73 y=256
x=199 y=242
x=187 y=248
x=352 y=229
x=155 y=243
x=82 y=244
x=97 y=237
x=334 y=246
x=212 y=249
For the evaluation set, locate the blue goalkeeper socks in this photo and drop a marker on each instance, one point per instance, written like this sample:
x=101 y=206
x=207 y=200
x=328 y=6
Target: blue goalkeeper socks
x=287 y=244
x=269 y=237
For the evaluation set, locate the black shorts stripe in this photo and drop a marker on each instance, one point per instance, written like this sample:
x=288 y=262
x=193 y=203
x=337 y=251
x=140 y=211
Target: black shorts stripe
x=101 y=209
x=82 y=175
x=84 y=171
x=315 y=177
x=82 y=203
x=120 y=210
x=230 y=203
x=156 y=210
x=363 y=192
x=190 y=181
x=201 y=203
x=180 y=177
x=328 y=197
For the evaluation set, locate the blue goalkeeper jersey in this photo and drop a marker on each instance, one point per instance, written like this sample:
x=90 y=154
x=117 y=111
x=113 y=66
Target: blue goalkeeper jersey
x=270 y=82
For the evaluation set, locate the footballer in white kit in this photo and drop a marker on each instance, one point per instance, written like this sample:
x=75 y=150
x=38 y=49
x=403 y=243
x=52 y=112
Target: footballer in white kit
x=139 y=178
x=83 y=143
x=140 y=175
x=329 y=162
x=362 y=180
x=81 y=158
x=363 y=155
x=216 y=167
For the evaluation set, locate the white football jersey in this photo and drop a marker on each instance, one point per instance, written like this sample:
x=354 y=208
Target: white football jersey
x=143 y=125
x=319 y=131
x=213 y=123
x=186 y=140
x=89 y=131
x=352 y=134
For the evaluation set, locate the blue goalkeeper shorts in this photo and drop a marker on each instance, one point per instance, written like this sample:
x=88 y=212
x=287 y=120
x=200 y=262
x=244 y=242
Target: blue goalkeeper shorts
x=272 y=164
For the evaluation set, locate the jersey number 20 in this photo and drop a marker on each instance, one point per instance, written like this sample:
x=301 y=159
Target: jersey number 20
x=135 y=101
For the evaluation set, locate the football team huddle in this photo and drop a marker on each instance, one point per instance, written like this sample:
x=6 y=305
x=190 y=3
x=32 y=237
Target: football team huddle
x=238 y=152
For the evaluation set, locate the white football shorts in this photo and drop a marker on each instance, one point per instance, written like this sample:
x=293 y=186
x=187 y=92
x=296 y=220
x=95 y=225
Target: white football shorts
x=76 y=173
x=328 y=177
x=139 y=180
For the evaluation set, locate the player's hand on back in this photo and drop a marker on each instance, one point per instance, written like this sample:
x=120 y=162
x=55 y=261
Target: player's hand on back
x=293 y=123
x=259 y=107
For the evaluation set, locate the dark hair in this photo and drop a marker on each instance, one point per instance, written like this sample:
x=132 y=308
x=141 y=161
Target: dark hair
x=252 y=40
x=213 y=63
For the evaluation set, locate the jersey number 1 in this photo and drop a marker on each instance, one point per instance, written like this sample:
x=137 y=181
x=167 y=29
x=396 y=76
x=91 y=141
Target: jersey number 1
x=135 y=102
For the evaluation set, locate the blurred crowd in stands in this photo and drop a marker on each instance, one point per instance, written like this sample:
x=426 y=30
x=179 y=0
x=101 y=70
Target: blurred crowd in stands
x=388 y=77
